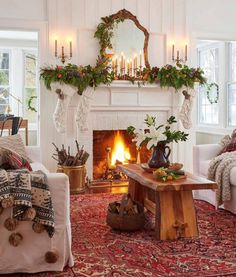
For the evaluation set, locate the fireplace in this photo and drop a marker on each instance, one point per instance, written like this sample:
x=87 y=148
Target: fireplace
x=112 y=147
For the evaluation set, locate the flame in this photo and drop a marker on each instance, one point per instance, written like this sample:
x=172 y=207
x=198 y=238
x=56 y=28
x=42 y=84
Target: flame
x=120 y=152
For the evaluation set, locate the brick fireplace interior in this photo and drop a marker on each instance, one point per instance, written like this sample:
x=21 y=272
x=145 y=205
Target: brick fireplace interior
x=112 y=147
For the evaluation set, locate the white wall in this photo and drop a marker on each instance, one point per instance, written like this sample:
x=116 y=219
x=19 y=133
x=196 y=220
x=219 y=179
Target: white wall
x=166 y=20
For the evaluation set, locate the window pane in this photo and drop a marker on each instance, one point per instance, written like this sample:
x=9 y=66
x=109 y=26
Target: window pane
x=4 y=77
x=30 y=92
x=209 y=62
x=28 y=113
x=233 y=61
x=232 y=104
x=30 y=70
x=4 y=60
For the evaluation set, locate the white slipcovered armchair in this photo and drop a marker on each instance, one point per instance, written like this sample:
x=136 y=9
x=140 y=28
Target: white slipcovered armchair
x=202 y=155
x=29 y=255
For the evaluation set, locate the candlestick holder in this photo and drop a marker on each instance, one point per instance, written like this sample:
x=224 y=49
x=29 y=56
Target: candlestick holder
x=178 y=60
x=63 y=57
x=122 y=72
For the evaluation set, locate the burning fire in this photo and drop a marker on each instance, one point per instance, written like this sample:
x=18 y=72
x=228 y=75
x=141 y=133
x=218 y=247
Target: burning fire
x=120 y=152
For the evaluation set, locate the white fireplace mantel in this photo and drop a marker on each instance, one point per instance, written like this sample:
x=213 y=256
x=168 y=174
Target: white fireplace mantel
x=122 y=104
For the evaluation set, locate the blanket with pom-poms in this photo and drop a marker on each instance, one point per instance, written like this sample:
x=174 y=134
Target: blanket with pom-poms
x=29 y=195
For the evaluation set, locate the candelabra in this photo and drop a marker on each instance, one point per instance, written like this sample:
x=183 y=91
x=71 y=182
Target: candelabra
x=178 y=60
x=63 y=57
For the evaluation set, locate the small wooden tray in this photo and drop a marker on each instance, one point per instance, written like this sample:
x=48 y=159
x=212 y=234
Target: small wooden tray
x=146 y=168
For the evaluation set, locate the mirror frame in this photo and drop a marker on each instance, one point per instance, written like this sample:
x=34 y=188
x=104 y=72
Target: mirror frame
x=119 y=17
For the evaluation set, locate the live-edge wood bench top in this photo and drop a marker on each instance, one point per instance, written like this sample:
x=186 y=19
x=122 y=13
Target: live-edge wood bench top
x=135 y=172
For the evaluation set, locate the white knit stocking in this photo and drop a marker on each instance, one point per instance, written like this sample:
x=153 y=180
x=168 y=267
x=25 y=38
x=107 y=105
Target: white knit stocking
x=185 y=113
x=65 y=93
x=84 y=108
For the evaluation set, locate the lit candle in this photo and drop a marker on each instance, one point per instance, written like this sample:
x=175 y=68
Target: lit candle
x=135 y=61
x=70 y=48
x=113 y=64
x=127 y=64
x=120 y=63
x=55 y=47
x=140 y=59
x=130 y=67
x=116 y=65
x=173 y=52
x=62 y=50
x=186 y=52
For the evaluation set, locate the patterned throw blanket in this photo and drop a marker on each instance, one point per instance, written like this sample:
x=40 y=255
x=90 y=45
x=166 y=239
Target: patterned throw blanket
x=219 y=171
x=28 y=190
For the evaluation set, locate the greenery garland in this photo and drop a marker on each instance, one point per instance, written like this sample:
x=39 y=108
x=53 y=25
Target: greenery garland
x=104 y=33
x=208 y=91
x=78 y=76
x=83 y=76
x=29 y=104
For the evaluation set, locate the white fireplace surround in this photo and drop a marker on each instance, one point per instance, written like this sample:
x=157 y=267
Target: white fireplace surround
x=120 y=105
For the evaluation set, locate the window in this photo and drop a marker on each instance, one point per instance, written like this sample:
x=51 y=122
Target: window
x=208 y=56
x=232 y=85
x=4 y=81
x=30 y=87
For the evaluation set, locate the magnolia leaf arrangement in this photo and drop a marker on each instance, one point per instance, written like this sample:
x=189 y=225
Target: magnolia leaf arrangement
x=82 y=77
x=153 y=134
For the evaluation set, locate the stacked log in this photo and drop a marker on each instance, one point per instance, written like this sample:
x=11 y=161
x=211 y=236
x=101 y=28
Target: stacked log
x=64 y=158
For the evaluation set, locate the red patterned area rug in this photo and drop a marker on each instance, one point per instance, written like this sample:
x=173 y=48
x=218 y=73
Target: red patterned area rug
x=102 y=252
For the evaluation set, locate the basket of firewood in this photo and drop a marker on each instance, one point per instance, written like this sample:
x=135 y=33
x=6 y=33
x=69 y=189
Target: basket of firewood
x=127 y=215
x=73 y=166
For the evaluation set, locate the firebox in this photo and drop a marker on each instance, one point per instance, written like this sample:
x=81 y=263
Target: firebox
x=113 y=147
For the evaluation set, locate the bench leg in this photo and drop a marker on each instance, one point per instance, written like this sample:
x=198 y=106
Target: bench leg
x=175 y=215
x=136 y=191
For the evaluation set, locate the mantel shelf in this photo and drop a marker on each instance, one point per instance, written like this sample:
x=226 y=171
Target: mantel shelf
x=128 y=84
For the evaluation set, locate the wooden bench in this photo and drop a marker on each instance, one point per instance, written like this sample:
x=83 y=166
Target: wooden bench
x=171 y=201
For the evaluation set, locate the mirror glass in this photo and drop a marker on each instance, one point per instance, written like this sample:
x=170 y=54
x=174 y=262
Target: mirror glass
x=129 y=40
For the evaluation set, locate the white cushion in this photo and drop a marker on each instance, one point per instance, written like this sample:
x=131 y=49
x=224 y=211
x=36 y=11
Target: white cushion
x=38 y=166
x=203 y=170
x=203 y=167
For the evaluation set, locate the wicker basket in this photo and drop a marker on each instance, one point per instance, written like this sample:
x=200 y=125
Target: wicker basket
x=126 y=222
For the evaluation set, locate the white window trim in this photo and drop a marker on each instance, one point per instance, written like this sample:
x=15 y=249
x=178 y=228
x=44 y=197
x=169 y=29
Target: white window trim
x=32 y=126
x=20 y=90
x=200 y=124
x=225 y=77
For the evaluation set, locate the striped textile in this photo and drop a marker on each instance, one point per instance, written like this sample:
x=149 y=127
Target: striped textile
x=29 y=189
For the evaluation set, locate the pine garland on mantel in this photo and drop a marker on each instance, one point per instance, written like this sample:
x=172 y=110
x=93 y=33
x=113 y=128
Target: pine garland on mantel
x=81 y=77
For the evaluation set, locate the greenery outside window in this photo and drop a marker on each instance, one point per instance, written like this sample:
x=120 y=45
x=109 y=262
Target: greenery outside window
x=4 y=80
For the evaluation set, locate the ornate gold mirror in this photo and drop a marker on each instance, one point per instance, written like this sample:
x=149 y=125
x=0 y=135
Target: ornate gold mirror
x=125 y=41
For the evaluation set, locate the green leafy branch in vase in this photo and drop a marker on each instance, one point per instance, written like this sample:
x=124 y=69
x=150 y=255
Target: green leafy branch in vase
x=153 y=134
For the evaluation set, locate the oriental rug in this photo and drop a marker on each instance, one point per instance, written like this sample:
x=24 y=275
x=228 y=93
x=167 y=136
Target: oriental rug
x=100 y=251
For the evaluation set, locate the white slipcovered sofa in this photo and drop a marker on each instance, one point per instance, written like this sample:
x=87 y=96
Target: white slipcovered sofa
x=29 y=255
x=202 y=155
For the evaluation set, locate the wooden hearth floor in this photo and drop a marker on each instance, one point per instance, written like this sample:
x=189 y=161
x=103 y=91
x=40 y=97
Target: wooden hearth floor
x=107 y=188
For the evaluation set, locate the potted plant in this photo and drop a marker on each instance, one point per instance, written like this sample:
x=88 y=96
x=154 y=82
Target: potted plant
x=157 y=138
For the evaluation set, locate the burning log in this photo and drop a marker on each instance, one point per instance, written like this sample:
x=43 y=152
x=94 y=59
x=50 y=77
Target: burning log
x=65 y=158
